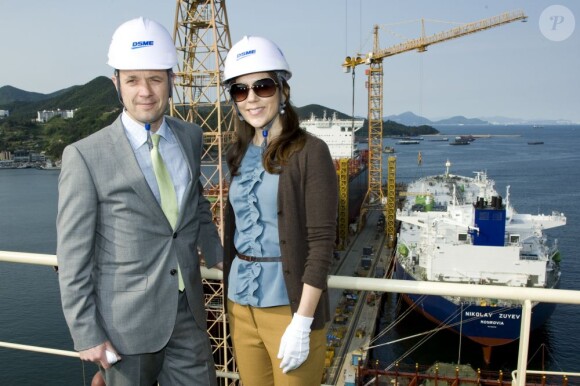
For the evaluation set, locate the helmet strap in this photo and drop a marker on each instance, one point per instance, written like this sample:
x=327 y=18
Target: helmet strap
x=240 y=117
x=117 y=76
x=282 y=103
x=265 y=143
x=265 y=131
x=169 y=83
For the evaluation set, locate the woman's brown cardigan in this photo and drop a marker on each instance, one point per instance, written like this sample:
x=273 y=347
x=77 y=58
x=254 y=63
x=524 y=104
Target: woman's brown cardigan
x=307 y=212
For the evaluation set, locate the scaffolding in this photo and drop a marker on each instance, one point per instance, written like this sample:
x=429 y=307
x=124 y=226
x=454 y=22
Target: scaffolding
x=202 y=38
x=343 y=180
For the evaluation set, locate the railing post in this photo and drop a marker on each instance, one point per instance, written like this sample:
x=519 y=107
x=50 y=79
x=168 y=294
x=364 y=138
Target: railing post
x=524 y=342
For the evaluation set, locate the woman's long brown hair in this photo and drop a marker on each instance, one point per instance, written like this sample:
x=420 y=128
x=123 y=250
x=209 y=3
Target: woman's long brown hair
x=276 y=155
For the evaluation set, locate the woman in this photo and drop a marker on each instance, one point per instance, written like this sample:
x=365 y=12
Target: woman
x=280 y=225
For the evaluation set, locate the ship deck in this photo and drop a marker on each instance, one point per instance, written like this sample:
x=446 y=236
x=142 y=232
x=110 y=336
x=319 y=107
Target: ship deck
x=355 y=320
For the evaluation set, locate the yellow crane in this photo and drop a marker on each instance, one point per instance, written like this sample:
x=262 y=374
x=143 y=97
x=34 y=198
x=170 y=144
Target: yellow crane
x=374 y=197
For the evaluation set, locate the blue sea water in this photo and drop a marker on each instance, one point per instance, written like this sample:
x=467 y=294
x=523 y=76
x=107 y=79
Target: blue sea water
x=542 y=178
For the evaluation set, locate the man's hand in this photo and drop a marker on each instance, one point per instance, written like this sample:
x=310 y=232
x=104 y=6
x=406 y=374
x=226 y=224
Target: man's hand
x=295 y=343
x=98 y=355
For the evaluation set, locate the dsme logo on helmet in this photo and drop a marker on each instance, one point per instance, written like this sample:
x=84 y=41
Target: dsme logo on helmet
x=244 y=54
x=142 y=44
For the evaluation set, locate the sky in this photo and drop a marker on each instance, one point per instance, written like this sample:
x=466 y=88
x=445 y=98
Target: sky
x=520 y=70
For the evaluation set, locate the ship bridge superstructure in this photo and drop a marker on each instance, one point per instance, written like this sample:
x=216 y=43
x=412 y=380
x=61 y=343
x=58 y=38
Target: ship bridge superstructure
x=339 y=134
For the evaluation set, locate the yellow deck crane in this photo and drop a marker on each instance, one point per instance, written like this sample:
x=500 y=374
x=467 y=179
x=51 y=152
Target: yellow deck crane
x=374 y=199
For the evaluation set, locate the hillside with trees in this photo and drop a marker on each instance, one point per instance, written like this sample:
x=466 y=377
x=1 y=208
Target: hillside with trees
x=96 y=105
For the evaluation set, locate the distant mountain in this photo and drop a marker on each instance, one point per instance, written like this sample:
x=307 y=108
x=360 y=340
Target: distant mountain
x=9 y=94
x=23 y=104
x=98 y=92
x=498 y=120
x=408 y=118
x=460 y=120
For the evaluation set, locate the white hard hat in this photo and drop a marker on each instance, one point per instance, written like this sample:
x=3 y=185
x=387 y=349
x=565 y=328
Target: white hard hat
x=255 y=54
x=142 y=44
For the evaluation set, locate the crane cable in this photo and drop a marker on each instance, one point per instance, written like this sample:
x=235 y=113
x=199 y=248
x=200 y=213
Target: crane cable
x=392 y=325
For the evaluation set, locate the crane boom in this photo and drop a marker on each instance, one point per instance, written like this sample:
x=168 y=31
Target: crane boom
x=374 y=198
x=423 y=42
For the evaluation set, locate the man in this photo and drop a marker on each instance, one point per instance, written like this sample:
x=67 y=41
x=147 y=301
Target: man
x=127 y=249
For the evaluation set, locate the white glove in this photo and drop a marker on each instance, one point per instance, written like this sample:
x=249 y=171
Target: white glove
x=295 y=343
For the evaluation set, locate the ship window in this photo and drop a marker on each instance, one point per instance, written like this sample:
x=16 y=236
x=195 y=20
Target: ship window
x=514 y=239
x=462 y=237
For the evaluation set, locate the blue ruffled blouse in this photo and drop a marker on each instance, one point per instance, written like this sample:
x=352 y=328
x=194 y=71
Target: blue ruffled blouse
x=253 y=195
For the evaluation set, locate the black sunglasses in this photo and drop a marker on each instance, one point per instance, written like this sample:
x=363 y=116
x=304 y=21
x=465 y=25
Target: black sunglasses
x=263 y=88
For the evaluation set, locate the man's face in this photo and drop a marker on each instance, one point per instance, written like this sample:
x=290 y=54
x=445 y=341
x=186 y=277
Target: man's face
x=145 y=94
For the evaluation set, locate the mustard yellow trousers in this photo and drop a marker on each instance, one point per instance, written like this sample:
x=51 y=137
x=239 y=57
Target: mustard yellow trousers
x=256 y=335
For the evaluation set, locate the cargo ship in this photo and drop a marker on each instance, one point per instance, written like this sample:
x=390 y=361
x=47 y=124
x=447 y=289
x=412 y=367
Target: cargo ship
x=458 y=229
x=339 y=135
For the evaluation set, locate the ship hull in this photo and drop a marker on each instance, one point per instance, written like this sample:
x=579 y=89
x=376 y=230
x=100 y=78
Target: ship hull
x=483 y=324
x=357 y=188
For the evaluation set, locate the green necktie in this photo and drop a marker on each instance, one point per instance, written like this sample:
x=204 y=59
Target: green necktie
x=166 y=191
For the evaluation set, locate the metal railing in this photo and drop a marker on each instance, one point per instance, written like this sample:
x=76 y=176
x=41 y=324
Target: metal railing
x=521 y=294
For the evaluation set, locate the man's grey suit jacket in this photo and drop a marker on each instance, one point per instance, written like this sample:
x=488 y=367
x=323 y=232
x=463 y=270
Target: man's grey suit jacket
x=117 y=252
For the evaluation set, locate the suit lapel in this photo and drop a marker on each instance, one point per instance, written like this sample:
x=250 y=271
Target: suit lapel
x=129 y=167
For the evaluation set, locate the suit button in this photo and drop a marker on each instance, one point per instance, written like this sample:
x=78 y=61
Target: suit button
x=175 y=235
x=173 y=272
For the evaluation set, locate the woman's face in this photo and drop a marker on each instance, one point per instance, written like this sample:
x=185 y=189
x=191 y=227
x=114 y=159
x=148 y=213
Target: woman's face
x=257 y=110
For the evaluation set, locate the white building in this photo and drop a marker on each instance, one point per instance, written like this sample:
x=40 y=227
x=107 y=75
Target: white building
x=46 y=115
x=4 y=113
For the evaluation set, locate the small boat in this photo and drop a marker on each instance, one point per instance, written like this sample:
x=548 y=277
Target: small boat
x=408 y=142
x=389 y=149
x=536 y=143
x=468 y=138
x=460 y=142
